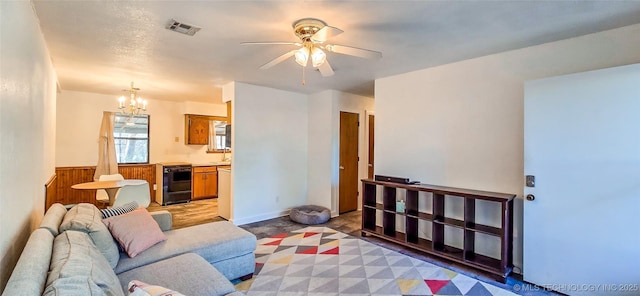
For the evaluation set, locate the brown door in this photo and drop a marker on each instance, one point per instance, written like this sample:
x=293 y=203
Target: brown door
x=370 y=164
x=348 y=162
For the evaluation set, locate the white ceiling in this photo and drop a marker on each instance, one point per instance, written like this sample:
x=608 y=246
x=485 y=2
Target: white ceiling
x=101 y=46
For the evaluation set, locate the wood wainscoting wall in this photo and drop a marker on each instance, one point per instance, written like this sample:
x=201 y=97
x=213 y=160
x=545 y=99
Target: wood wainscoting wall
x=67 y=176
x=50 y=191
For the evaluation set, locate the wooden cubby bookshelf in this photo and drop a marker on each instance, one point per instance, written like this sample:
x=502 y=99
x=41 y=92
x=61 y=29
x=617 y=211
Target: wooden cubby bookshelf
x=439 y=222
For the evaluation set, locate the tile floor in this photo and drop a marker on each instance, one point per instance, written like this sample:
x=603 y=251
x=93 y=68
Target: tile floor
x=350 y=223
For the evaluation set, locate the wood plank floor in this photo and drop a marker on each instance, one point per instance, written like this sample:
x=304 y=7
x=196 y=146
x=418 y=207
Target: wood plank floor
x=191 y=213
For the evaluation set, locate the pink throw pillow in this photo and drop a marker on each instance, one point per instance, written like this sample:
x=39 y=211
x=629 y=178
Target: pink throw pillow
x=135 y=231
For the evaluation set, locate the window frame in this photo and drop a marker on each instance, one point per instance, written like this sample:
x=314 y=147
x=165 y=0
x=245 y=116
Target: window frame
x=148 y=139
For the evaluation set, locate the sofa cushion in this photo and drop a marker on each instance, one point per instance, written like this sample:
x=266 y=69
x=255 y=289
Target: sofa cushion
x=53 y=217
x=215 y=241
x=30 y=273
x=135 y=231
x=163 y=218
x=237 y=267
x=188 y=274
x=87 y=218
x=78 y=268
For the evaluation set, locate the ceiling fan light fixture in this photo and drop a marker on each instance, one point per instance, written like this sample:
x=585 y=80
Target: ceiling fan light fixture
x=318 y=57
x=313 y=33
x=302 y=56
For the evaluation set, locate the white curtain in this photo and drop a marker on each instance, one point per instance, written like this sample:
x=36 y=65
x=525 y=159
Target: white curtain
x=107 y=162
x=212 y=136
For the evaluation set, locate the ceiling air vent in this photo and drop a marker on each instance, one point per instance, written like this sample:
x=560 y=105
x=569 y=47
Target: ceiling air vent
x=183 y=28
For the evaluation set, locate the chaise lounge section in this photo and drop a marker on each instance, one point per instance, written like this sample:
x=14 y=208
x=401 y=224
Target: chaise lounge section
x=72 y=253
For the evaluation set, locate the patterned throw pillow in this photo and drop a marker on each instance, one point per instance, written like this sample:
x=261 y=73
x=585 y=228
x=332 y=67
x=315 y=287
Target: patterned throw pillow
x=119 y=210
x=138 y=288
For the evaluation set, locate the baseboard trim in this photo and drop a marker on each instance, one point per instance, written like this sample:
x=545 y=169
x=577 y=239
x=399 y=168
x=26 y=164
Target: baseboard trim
x=258 y=218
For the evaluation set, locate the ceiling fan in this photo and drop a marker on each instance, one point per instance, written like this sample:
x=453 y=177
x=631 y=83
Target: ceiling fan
x=313 y=34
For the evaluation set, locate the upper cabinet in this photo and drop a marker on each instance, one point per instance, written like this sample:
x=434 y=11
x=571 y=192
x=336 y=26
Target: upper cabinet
x=206 y=130
x=196 y=129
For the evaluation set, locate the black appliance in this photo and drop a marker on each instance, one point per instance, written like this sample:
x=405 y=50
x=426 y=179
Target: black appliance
x=176 y=184
x=400 y=180
x=227 y=136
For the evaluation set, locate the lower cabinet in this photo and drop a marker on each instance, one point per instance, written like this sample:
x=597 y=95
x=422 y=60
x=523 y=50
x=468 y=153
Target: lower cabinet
x=205 y=182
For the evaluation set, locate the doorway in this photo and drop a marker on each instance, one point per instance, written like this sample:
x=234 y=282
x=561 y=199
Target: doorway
x=348 y=191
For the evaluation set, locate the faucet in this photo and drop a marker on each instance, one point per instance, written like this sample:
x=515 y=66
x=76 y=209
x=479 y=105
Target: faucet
x=224 y=155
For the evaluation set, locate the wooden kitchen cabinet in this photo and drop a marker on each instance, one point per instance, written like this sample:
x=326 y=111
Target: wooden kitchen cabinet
x=205 y=182
x=196 y=129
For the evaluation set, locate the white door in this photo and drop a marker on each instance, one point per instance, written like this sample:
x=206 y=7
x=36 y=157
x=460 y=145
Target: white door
x=582 y=144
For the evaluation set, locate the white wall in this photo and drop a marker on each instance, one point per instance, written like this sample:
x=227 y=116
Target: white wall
x=27 y=126
x=322 y=158
x=462 y=124
x=80 y=115
x=324 y=144
x=270 y=152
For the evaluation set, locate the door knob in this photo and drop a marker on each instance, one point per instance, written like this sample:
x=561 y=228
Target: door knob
x=341 y=167
x=530 y=197
x=370 y=165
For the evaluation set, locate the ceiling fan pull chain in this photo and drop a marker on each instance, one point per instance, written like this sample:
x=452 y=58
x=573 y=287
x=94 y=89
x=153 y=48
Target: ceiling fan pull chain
x=304 y=82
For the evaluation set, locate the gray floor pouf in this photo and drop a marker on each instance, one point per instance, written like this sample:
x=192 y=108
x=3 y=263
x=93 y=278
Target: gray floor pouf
x=310 y=214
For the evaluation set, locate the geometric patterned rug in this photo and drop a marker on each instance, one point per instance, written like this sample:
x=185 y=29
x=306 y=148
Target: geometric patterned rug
x=322 y=261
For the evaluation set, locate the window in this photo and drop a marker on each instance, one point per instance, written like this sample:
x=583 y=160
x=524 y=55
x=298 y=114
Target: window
x=131 y=136
x=217 y=135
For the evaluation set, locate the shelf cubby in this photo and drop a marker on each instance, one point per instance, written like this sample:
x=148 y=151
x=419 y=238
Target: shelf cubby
x=411 y=203
x=389 y=199
x=369 y=218
x=411 y=228
x=448 y=215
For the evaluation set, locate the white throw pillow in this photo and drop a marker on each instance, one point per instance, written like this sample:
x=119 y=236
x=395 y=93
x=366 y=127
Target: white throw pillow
x=138 y=288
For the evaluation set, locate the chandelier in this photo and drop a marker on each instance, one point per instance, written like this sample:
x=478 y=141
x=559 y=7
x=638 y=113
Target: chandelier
x=136 y=104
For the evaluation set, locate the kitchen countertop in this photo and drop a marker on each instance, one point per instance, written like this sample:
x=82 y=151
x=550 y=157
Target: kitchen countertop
x=214 y=163
x=173 y=163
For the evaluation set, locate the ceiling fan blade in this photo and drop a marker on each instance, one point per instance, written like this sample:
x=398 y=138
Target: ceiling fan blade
x=325 y=69
x=278 y=60
x=354 y=51
x=272 y=43
x=325 y=34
